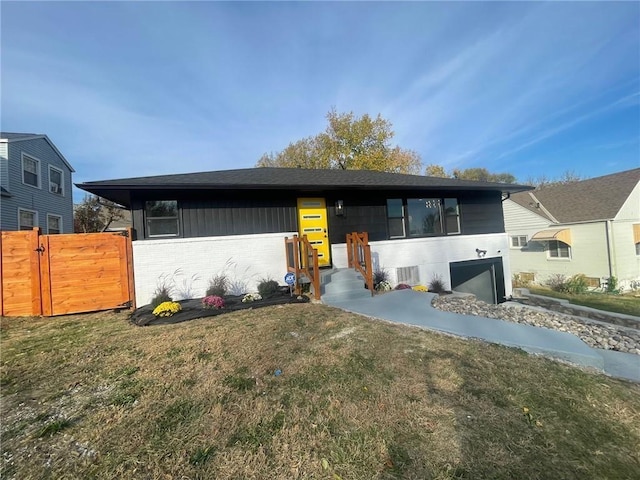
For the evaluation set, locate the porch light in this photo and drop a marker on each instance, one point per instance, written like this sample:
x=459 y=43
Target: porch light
x=339 y=208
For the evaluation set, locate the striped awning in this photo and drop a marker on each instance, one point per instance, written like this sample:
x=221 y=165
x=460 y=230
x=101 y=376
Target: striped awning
x=636 y=233
x=563 y=235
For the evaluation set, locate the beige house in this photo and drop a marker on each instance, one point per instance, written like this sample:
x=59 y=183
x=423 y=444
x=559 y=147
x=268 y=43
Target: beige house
x=590 y=227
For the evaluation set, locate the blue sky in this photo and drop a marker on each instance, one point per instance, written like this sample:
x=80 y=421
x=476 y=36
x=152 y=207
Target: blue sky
x=146 y=88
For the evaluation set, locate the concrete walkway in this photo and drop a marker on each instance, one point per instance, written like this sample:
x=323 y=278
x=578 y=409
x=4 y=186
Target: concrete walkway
x=414 y=308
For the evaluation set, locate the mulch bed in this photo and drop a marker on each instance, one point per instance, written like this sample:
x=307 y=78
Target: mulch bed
x=192 y=309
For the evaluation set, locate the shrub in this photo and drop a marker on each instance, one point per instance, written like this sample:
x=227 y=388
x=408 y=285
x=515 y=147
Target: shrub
x=218 y=285
x=437 y=285
x=267 y=287
x=420 y=288
x=403 y=286
x=577 y=284
x=166 y=309
x=212 y=301
x=380 y=275
x=162 y=294
x=383 y=286
x=612 y=285
x=557 y=282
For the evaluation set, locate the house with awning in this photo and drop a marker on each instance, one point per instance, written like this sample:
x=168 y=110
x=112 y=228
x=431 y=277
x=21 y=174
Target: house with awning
x=590 y=227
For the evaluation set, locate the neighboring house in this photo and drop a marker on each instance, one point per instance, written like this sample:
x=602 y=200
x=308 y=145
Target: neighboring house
x=35 y=181
x=189 y=227
x=590 y=227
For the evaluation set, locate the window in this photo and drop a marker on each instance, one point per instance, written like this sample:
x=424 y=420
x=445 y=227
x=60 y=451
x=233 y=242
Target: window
x=638 y=248
x=162 y=218
x=423 y=217
x=558 y=249
x=519 y=241
x=395 y=218
x=30 y=171
x=56 y=179
x=54 y=224
x=27 y=219
x=451 y=215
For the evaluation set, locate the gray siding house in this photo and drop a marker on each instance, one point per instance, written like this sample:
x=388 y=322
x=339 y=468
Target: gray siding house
x=35 y=184
x=590 y=227
x=419 y=227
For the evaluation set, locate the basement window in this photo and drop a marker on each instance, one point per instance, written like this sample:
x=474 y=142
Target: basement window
x=161 y=218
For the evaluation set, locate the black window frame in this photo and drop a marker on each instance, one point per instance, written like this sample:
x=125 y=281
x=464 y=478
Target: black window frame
x=444 y=217
x=148 y=219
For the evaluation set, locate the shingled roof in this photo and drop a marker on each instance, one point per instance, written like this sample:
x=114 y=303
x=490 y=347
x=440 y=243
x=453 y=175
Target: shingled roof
x=289 y=178
x=598 y=198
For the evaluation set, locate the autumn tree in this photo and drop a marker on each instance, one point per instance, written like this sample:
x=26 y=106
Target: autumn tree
x=95 y=214
x=348 y=143
x=477 y=174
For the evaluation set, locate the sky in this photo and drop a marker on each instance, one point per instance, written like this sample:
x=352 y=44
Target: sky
x=127 y=89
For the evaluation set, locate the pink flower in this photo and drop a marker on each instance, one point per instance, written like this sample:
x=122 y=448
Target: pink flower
x=213 y=301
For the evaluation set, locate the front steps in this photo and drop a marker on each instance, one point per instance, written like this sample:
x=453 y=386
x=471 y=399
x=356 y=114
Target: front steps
x=340 y=286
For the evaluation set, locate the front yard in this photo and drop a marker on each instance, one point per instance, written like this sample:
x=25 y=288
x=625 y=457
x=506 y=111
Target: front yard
x=629 y=303
x=299 y=391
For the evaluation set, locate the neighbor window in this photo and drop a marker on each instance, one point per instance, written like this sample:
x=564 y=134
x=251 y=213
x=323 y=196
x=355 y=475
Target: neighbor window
x=54 y=224
x=423 y=217
x=30 y=171
x=638 y=248
x=56 y=180
x=162 y=218
x=558 y=249
x=519 y=241
x=27 y=219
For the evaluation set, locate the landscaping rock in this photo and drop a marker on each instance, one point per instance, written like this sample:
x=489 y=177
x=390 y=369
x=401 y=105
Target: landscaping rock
x=593 y=333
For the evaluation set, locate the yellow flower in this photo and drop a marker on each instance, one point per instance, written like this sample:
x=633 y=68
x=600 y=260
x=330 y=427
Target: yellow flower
x=166 y=309
x=420 y=288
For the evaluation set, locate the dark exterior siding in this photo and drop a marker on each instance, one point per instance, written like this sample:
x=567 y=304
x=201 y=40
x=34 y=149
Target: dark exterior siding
x=252 y=212
x=202 y=217
x=481 y=212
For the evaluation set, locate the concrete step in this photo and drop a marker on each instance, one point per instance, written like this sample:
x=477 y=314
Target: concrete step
x=343 y=285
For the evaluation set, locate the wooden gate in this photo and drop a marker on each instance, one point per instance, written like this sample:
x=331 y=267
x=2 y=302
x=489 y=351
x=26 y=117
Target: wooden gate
x=61 y=274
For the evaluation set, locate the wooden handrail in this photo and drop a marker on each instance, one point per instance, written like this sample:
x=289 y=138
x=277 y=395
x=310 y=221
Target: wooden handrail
x=359 y=256
x=302 y=258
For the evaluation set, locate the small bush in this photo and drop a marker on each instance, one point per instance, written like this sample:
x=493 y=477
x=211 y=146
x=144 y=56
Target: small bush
x=557 y=282
x=403 y=286
x=218 y=285
x=577 y=284
x=383 y=286
x=437 y=285
x=380 y=275
x=612 y=285
x=212 y=302
x=267 y=287
x=161 y=295
x=164 y=290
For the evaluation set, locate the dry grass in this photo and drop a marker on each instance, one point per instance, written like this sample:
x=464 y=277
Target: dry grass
x=89 y=396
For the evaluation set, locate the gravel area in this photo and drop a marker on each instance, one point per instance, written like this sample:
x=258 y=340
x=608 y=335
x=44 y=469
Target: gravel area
x=593 y=333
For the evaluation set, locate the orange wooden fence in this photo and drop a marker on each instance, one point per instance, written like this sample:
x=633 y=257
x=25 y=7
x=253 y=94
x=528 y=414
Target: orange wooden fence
x=359 y=256
x=302 y=259
x=59 y=274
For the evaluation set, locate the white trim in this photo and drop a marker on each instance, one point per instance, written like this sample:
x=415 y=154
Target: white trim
x=518 y=247
x=61 y=193
x=35 y=217
x=59 y=217
x=39 y=164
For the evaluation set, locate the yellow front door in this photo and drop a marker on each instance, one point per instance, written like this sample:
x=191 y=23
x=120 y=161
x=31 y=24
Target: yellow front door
x=312 y=222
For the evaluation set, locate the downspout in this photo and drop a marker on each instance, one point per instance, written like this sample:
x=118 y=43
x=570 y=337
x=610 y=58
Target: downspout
x=608 y=234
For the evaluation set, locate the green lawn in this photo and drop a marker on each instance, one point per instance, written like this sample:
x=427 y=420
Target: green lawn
x=628 y=304
x=90 y=396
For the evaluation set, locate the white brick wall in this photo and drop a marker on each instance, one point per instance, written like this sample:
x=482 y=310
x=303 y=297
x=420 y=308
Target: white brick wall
x=432 y=255
x=189 y=263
